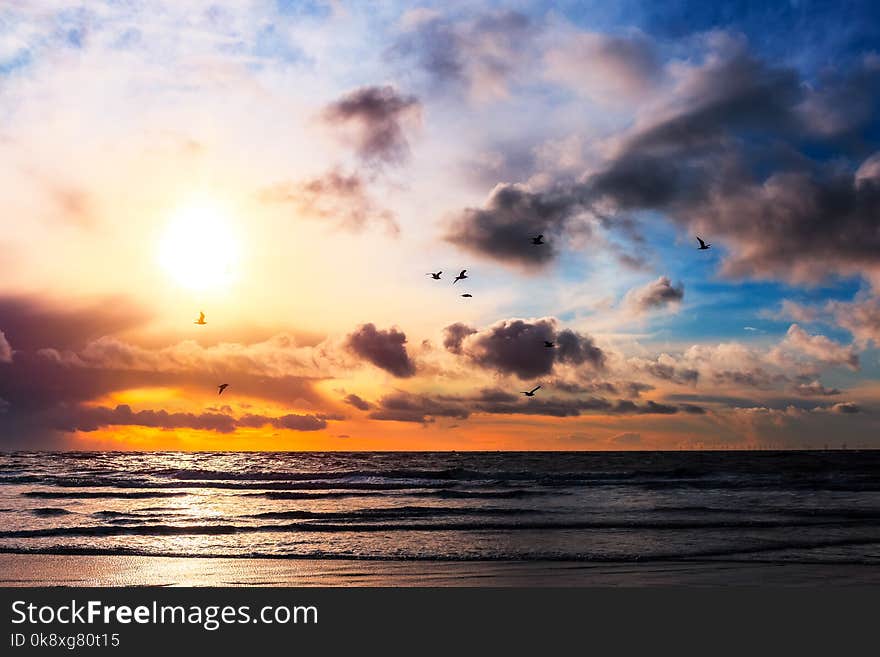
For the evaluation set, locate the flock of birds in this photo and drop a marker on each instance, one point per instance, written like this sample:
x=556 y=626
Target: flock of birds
x=538 y=240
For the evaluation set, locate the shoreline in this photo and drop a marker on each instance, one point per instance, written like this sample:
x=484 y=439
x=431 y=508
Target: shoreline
x=33 y=570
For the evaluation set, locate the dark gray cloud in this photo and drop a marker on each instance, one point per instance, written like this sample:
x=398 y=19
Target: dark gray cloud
x=409 y=407
x=420 y=408
x=480 y=56
x=846 y=407
x=357 y=402
x=92 y=418
x=655 y=295
x=335 y=197
x=516 y=346
x=625 y=388
x=386 y=349
x=454 y=334
x=727 y=155
x=292 y=421
x=373 y=118
x=501 y=229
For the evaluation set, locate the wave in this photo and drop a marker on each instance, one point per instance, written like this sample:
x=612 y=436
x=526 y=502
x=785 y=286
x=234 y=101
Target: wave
x=399 y=512
x=49 y=511
x=742 y=554
x=136 y=495
x=307 y=527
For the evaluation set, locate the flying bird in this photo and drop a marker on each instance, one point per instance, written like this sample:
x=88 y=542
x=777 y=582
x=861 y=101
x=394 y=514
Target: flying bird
x=531 y=393
x=548 y=344
x=467 y=295
x=201 y=319
x=703 y=245
x=435 y=275
x=460 y=277
x=538 y=240
x=221 y=388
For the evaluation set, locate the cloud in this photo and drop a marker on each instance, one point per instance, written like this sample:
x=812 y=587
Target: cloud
x=480 y=55
x=516 y=346
x=821 y=348
x=334 y=197
x=423 y=408
x=860 y=317
x=290 y=421
x=357 y=402
x=409 y=407
x=62 y=363
x=846 y=408
x=502 y=228
x=666 y=368
x=5 y=349
x=657 y=294
x=92 y=418
x=627 y=438
x=609 y=69
x=373 y=119
x=814 y=389
x=386 y=349
x=720 y=152
x=454 y=334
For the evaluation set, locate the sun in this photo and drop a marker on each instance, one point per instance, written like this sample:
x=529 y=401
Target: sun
x=199 y=248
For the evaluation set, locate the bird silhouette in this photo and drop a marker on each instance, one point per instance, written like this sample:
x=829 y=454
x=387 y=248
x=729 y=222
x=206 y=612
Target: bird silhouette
x=460 y=277
x=435 y=275
x=548 y=344
x=221 y=388
x=467 y=295
x=530 y=393
x=703 y=245
x=201 y=319
x=538 y=240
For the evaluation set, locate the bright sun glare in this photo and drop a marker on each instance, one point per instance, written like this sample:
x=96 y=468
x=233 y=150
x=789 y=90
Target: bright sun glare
x=199 y=248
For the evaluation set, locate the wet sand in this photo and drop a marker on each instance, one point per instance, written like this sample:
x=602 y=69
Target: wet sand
x=77 y=570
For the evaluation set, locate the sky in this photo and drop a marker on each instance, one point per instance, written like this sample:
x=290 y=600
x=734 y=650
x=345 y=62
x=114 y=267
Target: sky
x=294 y=170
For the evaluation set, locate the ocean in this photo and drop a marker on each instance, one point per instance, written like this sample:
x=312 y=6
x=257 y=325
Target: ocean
x=762 y=506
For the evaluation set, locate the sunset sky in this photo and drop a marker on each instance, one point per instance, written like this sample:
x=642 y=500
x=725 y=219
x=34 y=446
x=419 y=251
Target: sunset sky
x=294 y=169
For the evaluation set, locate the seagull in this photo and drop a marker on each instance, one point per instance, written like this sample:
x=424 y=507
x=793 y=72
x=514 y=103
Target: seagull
x=221 y=388
x=460 y=277
x=435 y=276
x=703 y=245
x=538 y=240
x=201 y=319
x=467 y=295
x=549 y=344
x=531 y=393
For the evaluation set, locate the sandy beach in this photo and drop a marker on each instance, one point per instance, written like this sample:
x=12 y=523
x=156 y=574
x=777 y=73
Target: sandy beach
x=77 y=570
